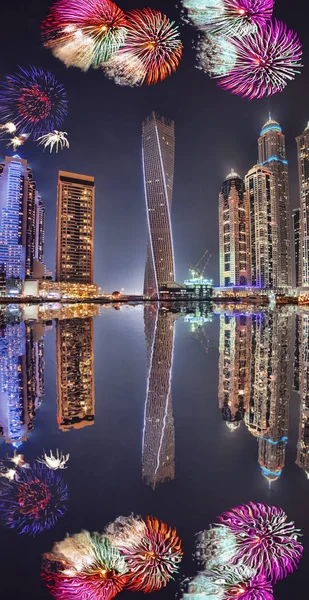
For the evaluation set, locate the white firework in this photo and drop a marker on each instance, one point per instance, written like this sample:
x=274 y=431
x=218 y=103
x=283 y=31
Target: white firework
x=54 y=462
x=54 y=139
x=7 y=128
x=216 y=55
x=17 y=140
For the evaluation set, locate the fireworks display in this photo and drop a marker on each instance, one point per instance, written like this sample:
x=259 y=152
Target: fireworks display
x=216 y=55
x=229 y=582
x=33 y=100
x=265 y=541
x=59 y=461
x=33 y=500
x=215 y=546
x=152 y=551
x=84 y=566
x=84 y=33
x=229 y=17
x=152 y=49
x=265 y=62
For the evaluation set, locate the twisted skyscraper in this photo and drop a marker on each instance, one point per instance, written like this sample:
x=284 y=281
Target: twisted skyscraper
x=158 y=171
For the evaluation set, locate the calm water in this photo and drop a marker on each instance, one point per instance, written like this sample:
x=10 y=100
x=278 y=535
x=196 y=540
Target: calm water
x=181 y=416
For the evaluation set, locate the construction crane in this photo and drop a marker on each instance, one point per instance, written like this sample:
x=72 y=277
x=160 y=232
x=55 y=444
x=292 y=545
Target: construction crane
x=200 y=267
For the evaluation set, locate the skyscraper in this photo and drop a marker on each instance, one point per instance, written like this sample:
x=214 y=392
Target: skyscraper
x=234 y=233
x=17 y=219
x=75 y=373
x=303 y=170
x=272 y=154
x=39 y=229
x=260 y=193
x=234 y=367
x=302 y=459
x=158 y=147
x=296 y=239
x=158 y=446
x=75 y=228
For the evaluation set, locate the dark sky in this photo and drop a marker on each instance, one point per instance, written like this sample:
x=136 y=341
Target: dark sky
x=214 y=132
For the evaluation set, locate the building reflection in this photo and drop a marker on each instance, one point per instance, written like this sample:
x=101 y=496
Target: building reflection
x=255 y=380
x=21 y=377
x=302 y=459
x=158 y=446
x=75 y=373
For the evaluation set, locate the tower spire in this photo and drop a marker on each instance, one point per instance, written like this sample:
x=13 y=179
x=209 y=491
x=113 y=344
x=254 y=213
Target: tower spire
x=269 y=115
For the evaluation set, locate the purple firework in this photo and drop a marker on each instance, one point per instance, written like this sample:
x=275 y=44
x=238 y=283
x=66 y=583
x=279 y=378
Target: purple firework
x=266 y=542
x=266 y=62
x=34 y=500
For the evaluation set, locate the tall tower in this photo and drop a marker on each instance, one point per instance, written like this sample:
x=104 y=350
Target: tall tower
x=75 y=373
x=75 y=228
x=297 y=245
x=158 y=148
x=17 y=219
x=234 y=233
x=158 y=447
x=260 y=193
x=39 y=228
x=234 y=367
x=303 y=170
x=272 y=154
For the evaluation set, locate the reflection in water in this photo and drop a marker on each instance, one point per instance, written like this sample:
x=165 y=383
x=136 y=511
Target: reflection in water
x=75 y=373
x=21 y=379
x=254 y=380
x=158 y=449
x=303 y=439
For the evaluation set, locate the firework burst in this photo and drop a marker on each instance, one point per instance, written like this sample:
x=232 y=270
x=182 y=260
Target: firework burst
x=265 y=541
x=84 y=33
x=216 y=55
x=151 y=549
x=227 y=582
x=17 y=140
x=229 y=17
x=215 y=546
x=152 y=49
x=33 y=100
x=84 y=566
x=7 y=128
x=34 y=500
x=265 y=63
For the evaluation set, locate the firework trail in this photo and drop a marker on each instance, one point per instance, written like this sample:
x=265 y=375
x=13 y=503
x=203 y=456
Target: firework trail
x=266 y=62
x=152 y=49
x=84 y=33
x=33 y=100
x=33 y=500
x=265 y=541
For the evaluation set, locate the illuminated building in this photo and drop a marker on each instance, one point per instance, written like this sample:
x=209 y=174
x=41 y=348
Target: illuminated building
x=268 y=414
x=18 y=221
x=296 y=355
x=75 y=228
x=272 y=155
x=21 y=379
x=261 y=204
x=302 y=459
x=39 y=229
x=56 y=289
x=2 y=279
x=199 y=288
x=303 y=171
x=158 y=147
x=75 y=373
x=234 y=367
x=158 y=446
x=296 y=239
x=234 y=233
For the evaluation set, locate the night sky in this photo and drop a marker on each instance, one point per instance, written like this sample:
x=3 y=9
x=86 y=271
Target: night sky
x=214 y=132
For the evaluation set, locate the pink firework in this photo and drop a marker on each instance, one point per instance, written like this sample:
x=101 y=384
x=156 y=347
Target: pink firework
x=249 y=12
x=230 y=581
x=266 y=62
x=266 y=542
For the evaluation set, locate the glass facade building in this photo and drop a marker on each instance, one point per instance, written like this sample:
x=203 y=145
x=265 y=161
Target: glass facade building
x=297 y=246
x=75 y=228
x=158 y=147
x=303 y=170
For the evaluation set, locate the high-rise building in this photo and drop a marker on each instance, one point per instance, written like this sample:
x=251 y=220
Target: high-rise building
x=158 y=446
x=39 y=229
x=259 y=188
x=296 y=239
x=302 y=459
x=272 y=154
x=234 y=236
x=234 y=367
x=158 y=147
x=17 y=219
x=303 y=170
x=21 y=379
x=75 y=373
x=75 y=228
